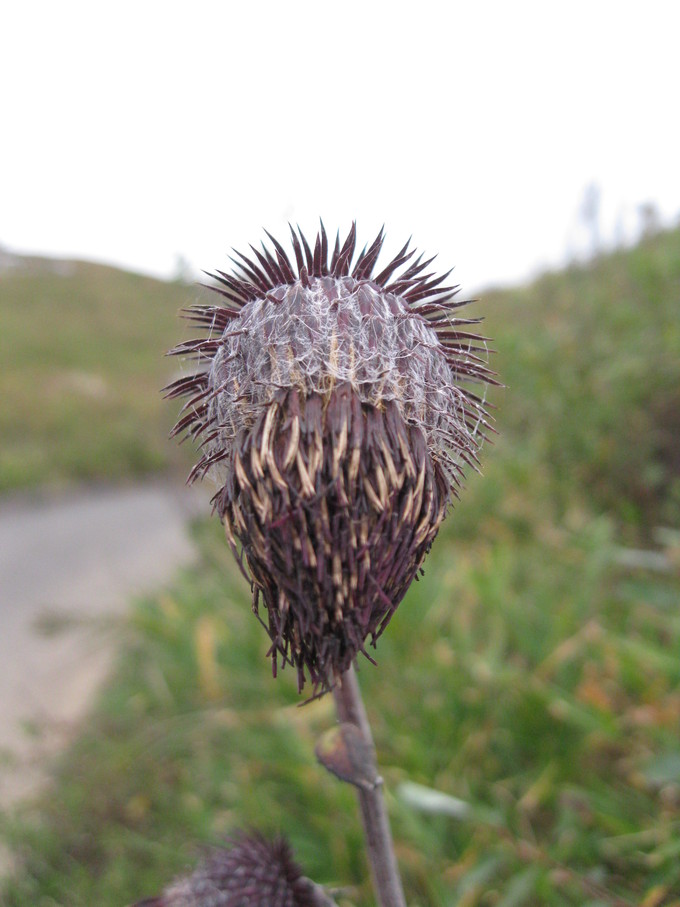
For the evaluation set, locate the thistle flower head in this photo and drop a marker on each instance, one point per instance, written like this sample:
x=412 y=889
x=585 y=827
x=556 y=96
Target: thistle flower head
x=335 y=408
x=250 y=871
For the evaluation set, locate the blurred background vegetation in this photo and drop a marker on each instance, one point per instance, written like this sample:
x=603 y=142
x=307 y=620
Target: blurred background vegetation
x=81 y=347
x=533 y=674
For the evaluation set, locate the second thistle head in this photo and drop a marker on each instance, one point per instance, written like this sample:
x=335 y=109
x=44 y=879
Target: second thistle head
x=250 y=871
x=335 y=407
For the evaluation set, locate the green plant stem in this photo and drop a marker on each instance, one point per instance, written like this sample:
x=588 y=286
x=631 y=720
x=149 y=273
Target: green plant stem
x=383 y=863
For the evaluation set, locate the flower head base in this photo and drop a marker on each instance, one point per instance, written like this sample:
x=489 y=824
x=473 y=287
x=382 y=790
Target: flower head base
x=251 y=870
x=336 y=410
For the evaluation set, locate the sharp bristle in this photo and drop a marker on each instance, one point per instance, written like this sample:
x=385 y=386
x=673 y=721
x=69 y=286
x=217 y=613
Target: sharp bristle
x=238 y=286
x=185 y=386
x=282 y=259
x=336 y=253
x=308 y=252
x=399 y=259
x=209 y=316
x=445 y=335
x=324 y=249
x=428 y=291
x=253 y=273
x=274 y=265
x=267 y=266
x=297 y=249
x=364 y=267
x=417 y=266
x=316 y=265
x=204 y=346
x=342 y=265
x=225 y=294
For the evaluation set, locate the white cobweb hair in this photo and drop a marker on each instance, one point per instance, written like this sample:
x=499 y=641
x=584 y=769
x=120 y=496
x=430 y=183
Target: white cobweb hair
x=324 y=321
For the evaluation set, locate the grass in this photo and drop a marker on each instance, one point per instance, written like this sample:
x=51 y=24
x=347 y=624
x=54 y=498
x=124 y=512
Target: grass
x=590 y=357
x=533 y=672
x=81 y=346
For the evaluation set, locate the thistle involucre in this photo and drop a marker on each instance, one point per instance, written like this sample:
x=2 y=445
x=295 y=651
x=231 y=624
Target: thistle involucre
x=335 y=409
x=251 y=872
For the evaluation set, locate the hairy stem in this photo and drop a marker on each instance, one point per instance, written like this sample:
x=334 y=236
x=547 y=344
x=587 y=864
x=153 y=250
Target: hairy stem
x=384 y=870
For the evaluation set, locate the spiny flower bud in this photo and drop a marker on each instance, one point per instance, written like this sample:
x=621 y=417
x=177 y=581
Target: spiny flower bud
x=251 y=872
x=335 y=408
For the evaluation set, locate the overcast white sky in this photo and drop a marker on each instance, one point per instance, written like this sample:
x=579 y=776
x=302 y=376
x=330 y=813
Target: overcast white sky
x=136 y=132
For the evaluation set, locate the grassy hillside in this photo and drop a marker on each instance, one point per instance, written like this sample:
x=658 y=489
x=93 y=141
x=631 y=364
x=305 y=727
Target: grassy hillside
x=591 y=359
x=82 y=347
x=533 y=672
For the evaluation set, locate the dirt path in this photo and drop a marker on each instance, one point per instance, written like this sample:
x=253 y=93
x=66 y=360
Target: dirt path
x=71 y=559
